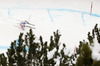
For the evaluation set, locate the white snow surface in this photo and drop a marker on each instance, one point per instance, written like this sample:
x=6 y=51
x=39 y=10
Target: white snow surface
x=95 y=50
x=51 y=53
x=71 y=17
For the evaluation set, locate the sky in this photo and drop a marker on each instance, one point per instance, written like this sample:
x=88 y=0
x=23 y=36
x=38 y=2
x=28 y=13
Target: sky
x=71 y=17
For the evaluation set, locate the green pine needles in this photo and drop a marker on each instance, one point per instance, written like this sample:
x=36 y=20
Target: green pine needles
x=28 y=52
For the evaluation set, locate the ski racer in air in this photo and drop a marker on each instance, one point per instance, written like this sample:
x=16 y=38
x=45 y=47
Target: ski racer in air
x=25 y=23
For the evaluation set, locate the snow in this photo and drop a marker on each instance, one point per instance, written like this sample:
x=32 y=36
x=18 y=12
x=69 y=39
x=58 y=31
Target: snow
x=51 y=53
x=57 y=61
x=95 y=50
x=71 y=17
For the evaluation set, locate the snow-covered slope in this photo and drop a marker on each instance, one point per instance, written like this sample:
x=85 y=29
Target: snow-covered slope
x=72 y=18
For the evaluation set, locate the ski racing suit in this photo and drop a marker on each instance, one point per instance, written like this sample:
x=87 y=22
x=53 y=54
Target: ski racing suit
x=22 y=24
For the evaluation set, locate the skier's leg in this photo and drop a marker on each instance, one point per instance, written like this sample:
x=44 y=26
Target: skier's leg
x=22 y=26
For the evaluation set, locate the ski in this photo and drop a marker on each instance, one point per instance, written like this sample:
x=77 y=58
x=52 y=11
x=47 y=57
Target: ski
x=30 y=24
x=27 y=26
x=30 y=27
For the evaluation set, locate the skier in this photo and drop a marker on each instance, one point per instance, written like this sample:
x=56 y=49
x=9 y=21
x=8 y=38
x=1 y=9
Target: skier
x=25 y=24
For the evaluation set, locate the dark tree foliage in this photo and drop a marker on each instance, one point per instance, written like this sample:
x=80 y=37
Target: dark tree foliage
x=96 y=63
x=3 y=60
x=84 y=51
x=16 y=53
x=27 y=52
x=85 y=56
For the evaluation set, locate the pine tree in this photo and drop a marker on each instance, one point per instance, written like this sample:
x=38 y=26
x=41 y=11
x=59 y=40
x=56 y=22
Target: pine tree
x=51 y=45
x=84 y=51
x=20 y=51
x=27 y=52
x=84 y=58
x=96 y=63
x=3 y=60
x=31 y=46
x=11 y=54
